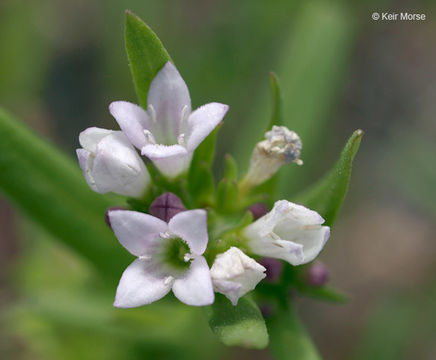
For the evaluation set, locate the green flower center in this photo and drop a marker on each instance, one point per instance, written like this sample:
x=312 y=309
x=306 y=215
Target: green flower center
x=174 y=253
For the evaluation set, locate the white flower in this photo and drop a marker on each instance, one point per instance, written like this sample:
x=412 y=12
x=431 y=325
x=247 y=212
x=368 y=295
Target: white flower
x=234 y=274
x=110 y=163
x=289 y=232
x=169 y=257
x=281 y=146
x=168 y=132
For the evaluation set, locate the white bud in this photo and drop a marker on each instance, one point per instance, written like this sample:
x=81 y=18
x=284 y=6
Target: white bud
x=289 y=232
x=111 y=164
x=234 y=274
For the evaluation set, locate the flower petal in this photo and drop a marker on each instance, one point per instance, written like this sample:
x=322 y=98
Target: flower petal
x=277 y=248
x=228 y=288
x=313 y=241
x=169 y=97
x=202 y=121
x=191 y=226
x=117 y=167
x=141 y=284
x=136 y=231
x=85 y=162
x=90 y=137
x=170 y=160
x=133 y=120
x=195 y=288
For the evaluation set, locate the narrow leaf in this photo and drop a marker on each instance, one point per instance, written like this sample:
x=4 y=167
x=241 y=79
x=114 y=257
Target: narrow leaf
x=240 y=325
x=288 y=338
x=325 y=293
x=327 y=195
x=277 y=102
x=201 y=185
x=230 y=168
x=146 y=55
x=49 y=187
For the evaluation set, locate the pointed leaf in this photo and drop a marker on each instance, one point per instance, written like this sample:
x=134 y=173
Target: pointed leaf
x=205 y=152
x=201 y=185
x=277 y=102
x=325 y=293
x=230 y=168
x=50 y=188
x=226 y=195
x=327 y=195
x=146 y=55
x=288 y=338
x=240 y=325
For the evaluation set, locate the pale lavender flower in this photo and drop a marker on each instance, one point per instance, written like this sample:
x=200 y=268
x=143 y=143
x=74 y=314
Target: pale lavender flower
x=169 y=257
x=168 y=132
x=290 y=232
x=234 y=274
x=111 y=164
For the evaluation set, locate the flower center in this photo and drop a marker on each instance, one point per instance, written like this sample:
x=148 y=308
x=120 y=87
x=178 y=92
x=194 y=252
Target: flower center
x=174 y=253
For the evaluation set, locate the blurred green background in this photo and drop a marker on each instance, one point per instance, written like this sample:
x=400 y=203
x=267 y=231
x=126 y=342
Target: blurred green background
x=62 y=62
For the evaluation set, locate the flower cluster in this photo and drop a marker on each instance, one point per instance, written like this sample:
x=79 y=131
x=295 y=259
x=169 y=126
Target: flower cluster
x=180 y=246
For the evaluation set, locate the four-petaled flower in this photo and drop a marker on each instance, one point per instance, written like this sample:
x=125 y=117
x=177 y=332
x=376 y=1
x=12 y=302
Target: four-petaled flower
x=290 y=232
x=110 y=163
x=169 y=257
x=168 y=132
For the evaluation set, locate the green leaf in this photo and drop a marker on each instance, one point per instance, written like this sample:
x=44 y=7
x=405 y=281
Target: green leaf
x=240 y=325
x=288 y=338
x=325 y=293
x=49 y=187
x=227 y=195
x=277 y=102
x=146 y=55
x=230 y=168
x=201 y=185
x=205 y=152
x=327 y=195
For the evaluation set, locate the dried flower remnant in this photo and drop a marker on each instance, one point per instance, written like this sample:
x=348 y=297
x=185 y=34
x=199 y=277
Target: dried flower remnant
x=281 y=146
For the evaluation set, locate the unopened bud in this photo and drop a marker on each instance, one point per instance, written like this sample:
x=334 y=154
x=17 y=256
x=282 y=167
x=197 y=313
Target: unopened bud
x=258 y=210
x=166 y=206
x=317 y=274
x=273 y=268
x=281 y=146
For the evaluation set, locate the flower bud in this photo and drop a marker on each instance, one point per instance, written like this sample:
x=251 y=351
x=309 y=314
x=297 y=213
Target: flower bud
x=317 y=274
x=289 y=232
x=111 y=164
x=273 y=268
x=258 y=210
x=281 y=146
x=234 y=274
x=166 y=206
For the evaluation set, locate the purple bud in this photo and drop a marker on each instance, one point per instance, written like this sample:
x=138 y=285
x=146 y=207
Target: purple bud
x=273 y=267
x=106 y=215
x=258 y=210
x=266 y=310
x=166 y=206
x=317 y=274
